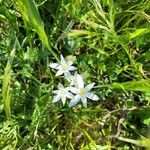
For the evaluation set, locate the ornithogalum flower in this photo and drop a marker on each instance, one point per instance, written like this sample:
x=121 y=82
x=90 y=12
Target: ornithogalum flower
x=72 y=79
x=64 y=67
x=62 y=94
x=82 y=93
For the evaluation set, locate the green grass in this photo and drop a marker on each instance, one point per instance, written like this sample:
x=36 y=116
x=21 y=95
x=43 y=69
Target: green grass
x=109 y=43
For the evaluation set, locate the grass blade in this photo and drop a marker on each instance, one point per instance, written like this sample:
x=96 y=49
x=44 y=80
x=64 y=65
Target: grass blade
x=31 y=16
x=6 y=84
x=143 y=85
x=144 y=142
x=139 y=32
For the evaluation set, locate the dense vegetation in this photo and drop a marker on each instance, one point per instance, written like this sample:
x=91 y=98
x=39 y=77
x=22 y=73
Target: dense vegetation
x=108 y=41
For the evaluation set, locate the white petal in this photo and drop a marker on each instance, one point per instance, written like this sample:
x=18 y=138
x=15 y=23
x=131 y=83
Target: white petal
x=69 y=62
x=92 y=96
x=73 y=80
x=55 y=66
x=73 y=90
x=55 y=91
x=69 y=79
x=74 y=101
x=84 y=101
x=72 y=68
x=67 y=89
x=60 y=87
x=68 y=76
x=59 y=72
x=56 y=98
x=69 y=95
x=80 y=82
x=89 y=86
x=63 y=100
x=75 y=74
x=63 y=61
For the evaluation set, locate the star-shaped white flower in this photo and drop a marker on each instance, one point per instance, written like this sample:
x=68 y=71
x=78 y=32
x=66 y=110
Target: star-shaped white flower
x=62 y=94
x=72 y=79
x=82 y=93
x=64 y=67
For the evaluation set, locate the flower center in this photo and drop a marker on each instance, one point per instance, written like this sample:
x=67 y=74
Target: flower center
x=63 y=94
x=64 y=67
x=82 y=92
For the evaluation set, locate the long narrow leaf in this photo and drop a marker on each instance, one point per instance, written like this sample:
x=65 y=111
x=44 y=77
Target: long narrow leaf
x=143 y=85
x=6 y=84
x=31 y=16
x=144 y=142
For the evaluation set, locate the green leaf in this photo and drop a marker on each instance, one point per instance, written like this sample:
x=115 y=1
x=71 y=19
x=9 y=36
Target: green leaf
x=6 y=83
x=144 y=142
x=147 y=96
x=147 y=121
x=76 y=33
x=138 y=32
x=31 y=16
x=97 y=147
x=142 y=85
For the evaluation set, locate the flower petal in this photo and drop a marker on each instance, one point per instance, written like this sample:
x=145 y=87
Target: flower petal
x=72 y=82
x=63 y=61
x=59 y=72
x=68 y=76
x=80 y=82
x=69 y=62
x=55 y=91
x=64 y=100
x=69 y=95
x=92 y=96
x=56 y=98
x=74 y=101
x=73 y=79
x=60 y=86
x=89 y=86
x=55 y=66
x=72 y=68
x=84 y=101
x=73 y=90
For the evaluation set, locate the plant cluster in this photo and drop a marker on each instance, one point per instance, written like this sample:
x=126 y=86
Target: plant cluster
x=76 y=85
x=96 y=98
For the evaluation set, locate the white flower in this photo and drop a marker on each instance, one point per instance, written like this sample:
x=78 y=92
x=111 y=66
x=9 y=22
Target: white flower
x=64 y=67
x=72 y=78
x=62 y=94
x=82 y=93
